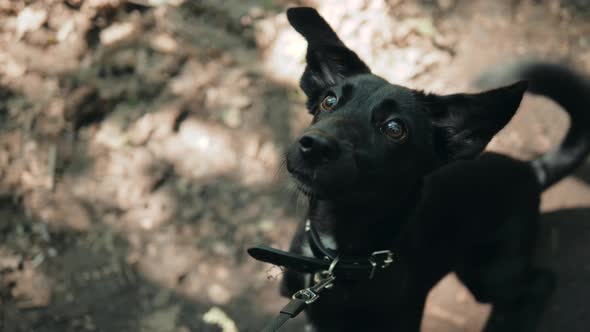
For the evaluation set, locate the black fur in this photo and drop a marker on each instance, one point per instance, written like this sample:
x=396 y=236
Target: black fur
x=431 y=195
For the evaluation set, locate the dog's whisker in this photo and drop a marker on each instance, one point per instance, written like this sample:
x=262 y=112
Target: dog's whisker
x=280 y=170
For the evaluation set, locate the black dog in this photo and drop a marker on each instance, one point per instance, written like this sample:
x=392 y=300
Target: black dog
x=400 y=193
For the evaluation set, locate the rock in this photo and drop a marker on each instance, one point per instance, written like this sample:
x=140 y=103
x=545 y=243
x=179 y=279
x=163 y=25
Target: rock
x=156 y=125
x=164 y=43
x=216 y=316
x=118 y=33
x=110 y=135
x=30 y=19
x=141 y=131
x=65 y=30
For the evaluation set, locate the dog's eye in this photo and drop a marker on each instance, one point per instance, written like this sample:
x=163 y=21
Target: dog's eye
x=329 y=103
x=395 y=129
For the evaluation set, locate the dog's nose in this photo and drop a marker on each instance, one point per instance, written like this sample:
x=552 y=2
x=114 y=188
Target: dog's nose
x=317 y=148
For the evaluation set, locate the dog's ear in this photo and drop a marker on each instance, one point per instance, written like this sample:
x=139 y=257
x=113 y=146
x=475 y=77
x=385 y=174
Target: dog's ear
x=328 y=59
x=465 y=123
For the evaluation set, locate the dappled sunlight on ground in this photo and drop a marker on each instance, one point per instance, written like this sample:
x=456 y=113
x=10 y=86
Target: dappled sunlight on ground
x=397 y=45
x=141 y=145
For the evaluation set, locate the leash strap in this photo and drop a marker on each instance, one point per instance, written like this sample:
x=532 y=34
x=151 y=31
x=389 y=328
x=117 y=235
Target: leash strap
x=301 y=299
x=291 y=310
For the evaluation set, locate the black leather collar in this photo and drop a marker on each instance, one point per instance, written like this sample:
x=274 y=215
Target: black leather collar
x=351 y=268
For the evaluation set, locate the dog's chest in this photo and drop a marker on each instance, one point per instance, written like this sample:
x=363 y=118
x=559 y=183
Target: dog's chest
x=383 y=298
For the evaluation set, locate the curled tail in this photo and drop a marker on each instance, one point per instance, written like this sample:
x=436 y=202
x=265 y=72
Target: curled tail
x=571 y=91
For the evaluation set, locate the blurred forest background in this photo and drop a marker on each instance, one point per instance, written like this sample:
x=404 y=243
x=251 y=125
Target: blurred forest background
x=141 y=142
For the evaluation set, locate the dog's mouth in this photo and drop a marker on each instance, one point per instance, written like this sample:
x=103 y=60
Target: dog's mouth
x=304 y=182
x=324 y=181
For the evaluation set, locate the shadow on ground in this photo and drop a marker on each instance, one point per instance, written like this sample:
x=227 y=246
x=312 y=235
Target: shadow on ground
x=565 y=247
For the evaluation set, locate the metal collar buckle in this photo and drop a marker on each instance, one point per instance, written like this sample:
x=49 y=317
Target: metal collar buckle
x=380 y=259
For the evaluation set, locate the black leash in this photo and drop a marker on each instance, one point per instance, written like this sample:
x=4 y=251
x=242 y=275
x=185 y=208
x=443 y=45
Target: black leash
x=325 y=270
x=299 y=301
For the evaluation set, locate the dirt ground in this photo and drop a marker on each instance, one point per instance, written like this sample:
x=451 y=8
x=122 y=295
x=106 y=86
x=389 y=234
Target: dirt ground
x=141 y=151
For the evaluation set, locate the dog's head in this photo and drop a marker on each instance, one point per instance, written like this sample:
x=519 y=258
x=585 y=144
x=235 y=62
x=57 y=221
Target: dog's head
x=369 y=137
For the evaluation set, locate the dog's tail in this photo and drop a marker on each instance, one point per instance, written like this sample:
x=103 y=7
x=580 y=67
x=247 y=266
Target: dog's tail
x=571 y=91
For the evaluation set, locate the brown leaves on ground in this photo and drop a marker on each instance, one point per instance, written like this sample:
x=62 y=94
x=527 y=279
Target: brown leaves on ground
x=145 y=137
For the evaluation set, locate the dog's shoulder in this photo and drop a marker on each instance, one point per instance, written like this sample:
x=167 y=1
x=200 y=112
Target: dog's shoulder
x=491 y=182
x=490 y=169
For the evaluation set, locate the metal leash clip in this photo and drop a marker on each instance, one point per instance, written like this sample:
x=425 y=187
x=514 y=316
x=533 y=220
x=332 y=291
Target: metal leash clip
x=310 y=294
x=302 y=298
